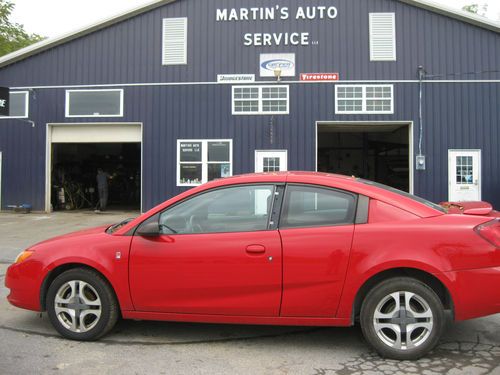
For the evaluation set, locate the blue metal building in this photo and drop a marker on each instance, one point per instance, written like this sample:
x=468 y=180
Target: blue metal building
x=403 y=92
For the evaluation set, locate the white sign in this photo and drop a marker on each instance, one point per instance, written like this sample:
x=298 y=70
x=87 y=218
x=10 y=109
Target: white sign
x=270 y=63
x=235 y=78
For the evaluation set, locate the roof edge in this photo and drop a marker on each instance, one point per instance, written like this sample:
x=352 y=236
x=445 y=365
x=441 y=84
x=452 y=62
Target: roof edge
x=46 y=44
x=457 y=14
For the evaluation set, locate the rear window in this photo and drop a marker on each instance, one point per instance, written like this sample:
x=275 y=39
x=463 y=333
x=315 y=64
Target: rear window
x=404 y=194
x=308 y=206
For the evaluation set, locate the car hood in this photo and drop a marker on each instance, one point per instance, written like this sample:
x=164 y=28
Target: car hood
x=471 y=208
x=80 y=233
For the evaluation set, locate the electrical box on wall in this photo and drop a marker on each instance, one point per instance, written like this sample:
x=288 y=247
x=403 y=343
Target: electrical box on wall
x=420 y=163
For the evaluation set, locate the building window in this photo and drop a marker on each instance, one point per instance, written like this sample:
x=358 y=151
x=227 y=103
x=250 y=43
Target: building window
x=94 y=103
x=382 y=37
x=465 y=167
x=367 y=99
x=18 y=104
x=271 y=164
x=200 y=161
x=174 y=41
x=260 y=100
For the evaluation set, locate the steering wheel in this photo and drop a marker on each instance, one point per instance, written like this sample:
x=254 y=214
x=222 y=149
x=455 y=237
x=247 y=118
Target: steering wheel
x=193 y=225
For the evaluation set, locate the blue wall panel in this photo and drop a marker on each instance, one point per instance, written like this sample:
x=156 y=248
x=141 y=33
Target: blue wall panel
x=456 y=115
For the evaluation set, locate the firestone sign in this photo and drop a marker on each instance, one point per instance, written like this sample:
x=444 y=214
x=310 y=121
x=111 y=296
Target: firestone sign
x=275 y=13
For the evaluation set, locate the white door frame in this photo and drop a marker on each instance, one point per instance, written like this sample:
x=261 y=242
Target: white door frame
x=452 y=172
x=285 y=152
x=48 y=153
x=376 y=123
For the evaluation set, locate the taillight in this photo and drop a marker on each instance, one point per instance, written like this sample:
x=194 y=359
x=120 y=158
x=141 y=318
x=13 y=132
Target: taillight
x=490 y=231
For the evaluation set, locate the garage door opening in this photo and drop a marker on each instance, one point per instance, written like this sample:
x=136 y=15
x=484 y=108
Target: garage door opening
x=75 y=153
x=378 y=152
x=74 y=170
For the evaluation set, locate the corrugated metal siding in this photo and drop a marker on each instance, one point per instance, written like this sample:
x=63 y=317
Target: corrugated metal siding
x=456 y=115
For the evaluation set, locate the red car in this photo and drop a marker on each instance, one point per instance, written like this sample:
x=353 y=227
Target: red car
x=292 y=248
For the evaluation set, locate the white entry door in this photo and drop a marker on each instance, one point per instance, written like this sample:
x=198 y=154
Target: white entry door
x=464 y=175
x=271 y=161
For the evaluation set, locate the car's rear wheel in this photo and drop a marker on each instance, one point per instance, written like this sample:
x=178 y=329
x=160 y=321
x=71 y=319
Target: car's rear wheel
x=81 y=305
x=402 y=318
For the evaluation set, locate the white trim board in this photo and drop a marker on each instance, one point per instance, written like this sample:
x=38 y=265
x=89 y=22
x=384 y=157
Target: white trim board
x=410 y=125
x=76 y=133
x=283 y=82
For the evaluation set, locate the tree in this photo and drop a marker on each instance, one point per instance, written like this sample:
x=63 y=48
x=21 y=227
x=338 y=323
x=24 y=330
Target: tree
x=12 y=35
x=478 y=9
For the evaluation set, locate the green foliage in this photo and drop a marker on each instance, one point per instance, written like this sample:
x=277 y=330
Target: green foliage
x=478 y=9
x=12 y=35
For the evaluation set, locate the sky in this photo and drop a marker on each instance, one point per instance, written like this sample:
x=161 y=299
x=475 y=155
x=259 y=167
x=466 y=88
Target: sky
x=51 y=18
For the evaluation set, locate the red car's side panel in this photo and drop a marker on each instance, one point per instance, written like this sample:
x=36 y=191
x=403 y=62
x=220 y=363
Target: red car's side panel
x=476 y=292
x=220 y=273
x=381 y=212
x=434 y=245
x=237 y=319
x=314 y=267
x=92 y=248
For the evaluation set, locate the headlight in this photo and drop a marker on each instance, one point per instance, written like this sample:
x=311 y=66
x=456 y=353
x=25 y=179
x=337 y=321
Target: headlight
x=23 y=256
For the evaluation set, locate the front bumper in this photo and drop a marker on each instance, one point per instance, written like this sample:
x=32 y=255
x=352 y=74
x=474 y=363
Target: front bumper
x=475 y=293
x=24 y=280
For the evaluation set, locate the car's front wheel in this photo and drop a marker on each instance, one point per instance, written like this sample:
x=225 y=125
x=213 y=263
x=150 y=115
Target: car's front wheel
x=402 y=318
x=81 y=305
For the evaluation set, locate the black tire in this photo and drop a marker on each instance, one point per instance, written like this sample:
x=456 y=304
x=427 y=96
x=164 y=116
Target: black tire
x=96 y=291
x=385 y=340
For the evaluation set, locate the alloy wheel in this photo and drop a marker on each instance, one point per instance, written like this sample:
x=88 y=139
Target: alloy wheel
x=403 y=320
x=77 y=306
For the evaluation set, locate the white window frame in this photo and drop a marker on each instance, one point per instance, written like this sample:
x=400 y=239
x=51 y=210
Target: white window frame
x=364 y=100
x=394 y=56
x=282 y=154
x=204 y=159
x=260 y=99
x=26 y=104
x=163 y=41
x=68 y=94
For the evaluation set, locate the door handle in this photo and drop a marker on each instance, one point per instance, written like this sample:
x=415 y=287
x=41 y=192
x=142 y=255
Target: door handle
x=255 y=249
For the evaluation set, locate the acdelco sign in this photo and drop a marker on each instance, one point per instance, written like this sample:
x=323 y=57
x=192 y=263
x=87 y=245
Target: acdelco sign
x=272 y=62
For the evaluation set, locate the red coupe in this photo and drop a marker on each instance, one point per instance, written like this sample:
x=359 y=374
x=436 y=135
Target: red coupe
x=292 y=248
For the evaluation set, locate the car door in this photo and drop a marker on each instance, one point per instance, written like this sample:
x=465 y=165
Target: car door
x=316 y=227
x=216 y=255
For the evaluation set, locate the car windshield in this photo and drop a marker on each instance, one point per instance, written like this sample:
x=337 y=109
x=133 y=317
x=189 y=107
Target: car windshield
x=405 y=194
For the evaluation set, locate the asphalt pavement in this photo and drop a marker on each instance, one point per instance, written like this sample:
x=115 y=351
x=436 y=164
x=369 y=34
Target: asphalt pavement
x=29 y=344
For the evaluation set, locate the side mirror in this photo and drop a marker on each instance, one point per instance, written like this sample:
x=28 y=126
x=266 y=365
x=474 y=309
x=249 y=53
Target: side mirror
x=149 y=230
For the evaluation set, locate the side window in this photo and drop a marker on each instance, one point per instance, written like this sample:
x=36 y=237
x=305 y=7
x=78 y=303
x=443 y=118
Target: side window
x=308 y=206
x=234 y=209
